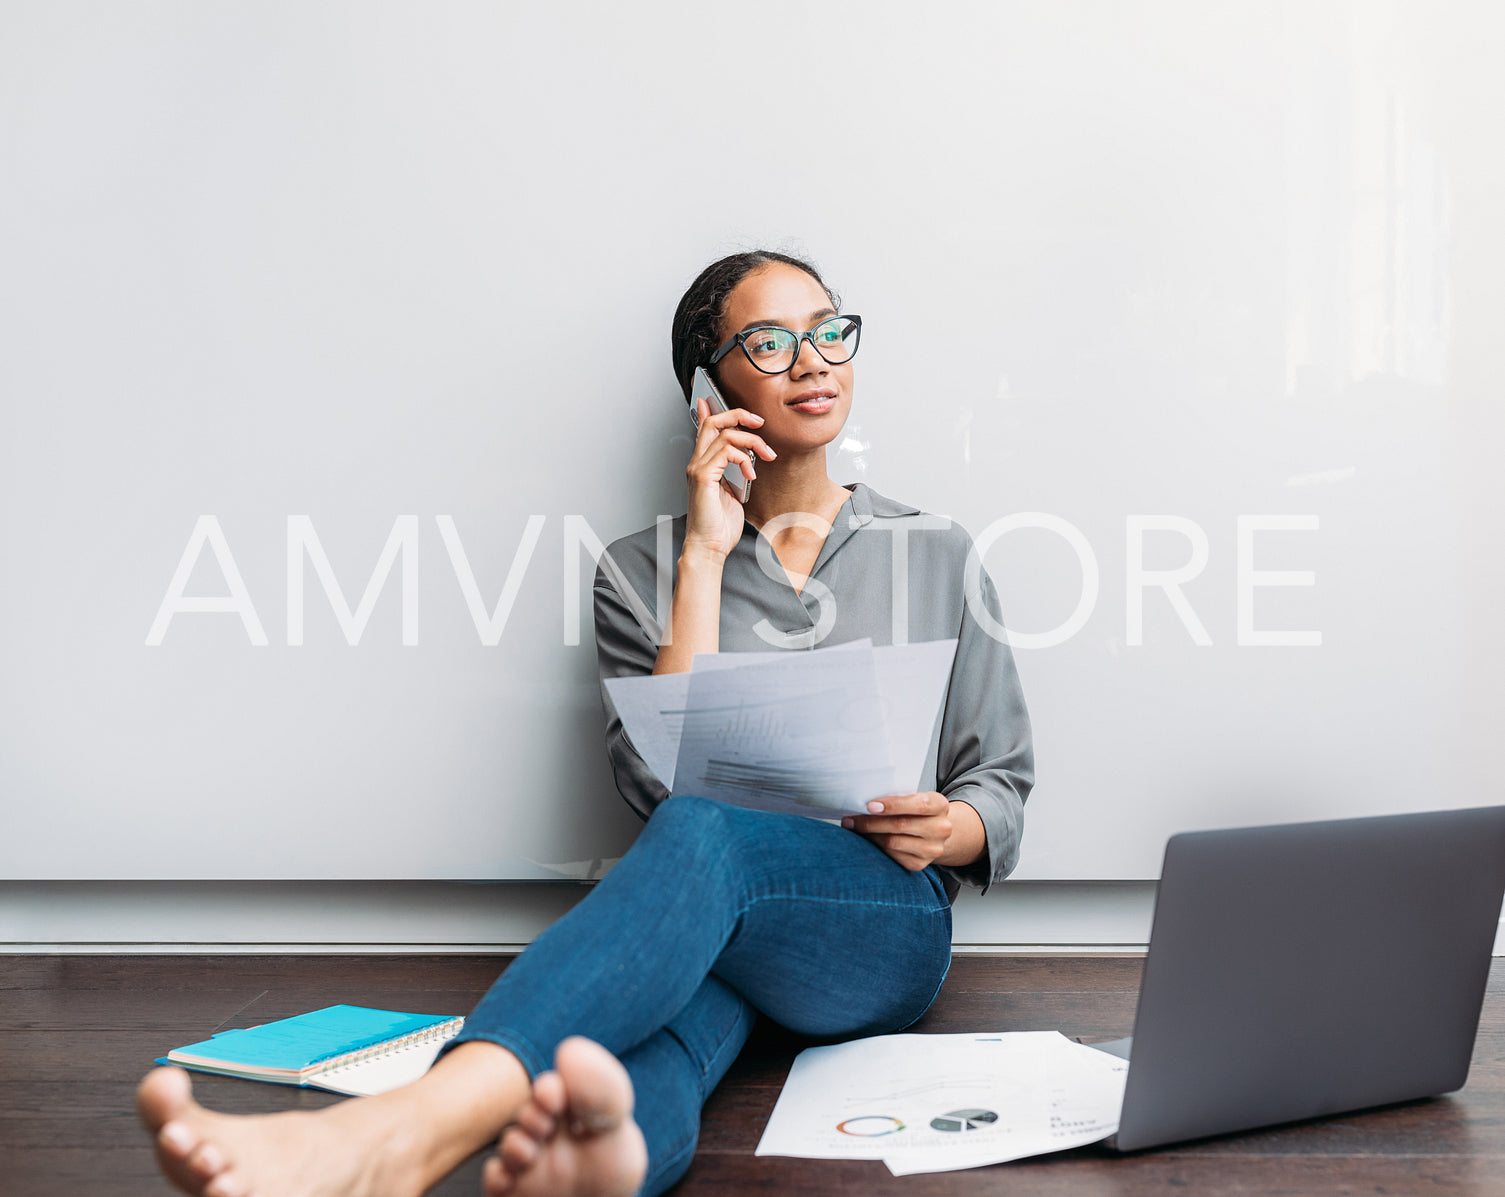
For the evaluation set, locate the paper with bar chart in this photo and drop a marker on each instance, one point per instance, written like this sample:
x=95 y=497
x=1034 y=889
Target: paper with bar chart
x=817 y=733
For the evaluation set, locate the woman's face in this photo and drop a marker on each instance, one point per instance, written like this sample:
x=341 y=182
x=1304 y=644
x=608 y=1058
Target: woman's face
x=787 y=296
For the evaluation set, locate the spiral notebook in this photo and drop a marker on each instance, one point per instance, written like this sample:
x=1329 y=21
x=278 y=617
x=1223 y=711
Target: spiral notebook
x=345 y=1049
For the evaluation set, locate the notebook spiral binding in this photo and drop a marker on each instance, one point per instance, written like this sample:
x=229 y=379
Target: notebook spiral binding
x=439 y=1031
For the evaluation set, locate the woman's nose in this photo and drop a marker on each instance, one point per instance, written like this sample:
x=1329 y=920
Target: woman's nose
x=803 y=364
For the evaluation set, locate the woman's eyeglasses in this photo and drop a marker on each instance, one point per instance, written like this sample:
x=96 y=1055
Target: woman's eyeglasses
x=773 y=349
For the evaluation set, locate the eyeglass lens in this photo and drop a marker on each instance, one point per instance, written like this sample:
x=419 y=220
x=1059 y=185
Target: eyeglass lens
x=772 y=350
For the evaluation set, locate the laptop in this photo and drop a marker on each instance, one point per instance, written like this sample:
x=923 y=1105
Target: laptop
x=1307 y=969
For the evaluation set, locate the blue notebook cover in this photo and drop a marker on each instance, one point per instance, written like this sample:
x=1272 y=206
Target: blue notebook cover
x=296 y=1045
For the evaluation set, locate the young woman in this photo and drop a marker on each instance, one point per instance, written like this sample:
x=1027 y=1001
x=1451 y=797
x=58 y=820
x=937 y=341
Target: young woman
x=642 y=996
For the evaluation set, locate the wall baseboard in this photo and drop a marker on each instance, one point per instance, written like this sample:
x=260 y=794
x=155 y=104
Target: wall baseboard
x=468 y=949
x=409 y=917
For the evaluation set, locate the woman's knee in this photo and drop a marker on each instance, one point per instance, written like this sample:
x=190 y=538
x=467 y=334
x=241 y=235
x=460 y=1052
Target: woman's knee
x=852 y=978
x=697 y=829
x=688 y=810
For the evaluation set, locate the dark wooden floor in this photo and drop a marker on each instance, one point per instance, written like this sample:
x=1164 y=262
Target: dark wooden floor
x=76 y=1032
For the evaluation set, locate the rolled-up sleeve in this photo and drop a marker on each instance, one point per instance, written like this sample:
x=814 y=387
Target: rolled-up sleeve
x=986 y=755
x=624 y=648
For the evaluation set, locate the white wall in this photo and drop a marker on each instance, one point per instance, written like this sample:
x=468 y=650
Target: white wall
x=1161 y=262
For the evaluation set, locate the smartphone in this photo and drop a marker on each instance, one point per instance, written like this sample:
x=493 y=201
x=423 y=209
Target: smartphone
x=703 y=386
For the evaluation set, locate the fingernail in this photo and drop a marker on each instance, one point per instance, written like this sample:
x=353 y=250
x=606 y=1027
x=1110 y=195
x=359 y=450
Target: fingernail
x=176 y=1136
x=875 y=807
x=847 y=823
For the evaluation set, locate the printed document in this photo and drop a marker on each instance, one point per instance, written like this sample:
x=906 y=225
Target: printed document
x=937 y=1103
x=818 y=732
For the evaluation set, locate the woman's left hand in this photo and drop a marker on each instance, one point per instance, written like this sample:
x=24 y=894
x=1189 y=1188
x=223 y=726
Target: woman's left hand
x=914 y=829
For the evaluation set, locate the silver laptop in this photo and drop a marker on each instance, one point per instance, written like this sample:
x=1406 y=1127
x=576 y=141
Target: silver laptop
x=1311 y=968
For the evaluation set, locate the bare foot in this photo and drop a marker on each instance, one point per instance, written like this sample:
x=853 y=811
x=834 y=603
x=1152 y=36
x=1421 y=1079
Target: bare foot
x=576 y=1136
x=359 y=1148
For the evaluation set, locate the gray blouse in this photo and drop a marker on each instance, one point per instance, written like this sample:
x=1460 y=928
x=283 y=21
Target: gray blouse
x=886 y=571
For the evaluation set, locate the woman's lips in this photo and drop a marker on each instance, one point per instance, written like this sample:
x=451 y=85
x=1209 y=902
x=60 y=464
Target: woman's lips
x=815 y=407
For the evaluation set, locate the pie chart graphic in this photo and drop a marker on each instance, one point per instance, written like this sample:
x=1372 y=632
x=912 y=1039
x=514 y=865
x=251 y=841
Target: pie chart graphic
x=870 y=1126
x=964 y=1120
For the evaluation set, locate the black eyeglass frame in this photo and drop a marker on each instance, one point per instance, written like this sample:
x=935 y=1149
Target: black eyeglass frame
x=808 y=335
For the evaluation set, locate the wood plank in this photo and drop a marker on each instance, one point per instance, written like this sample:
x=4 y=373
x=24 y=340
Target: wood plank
x=76 y=1033
x=1092 y=1172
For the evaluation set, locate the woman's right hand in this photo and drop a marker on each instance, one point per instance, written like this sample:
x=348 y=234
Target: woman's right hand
x=715 y=521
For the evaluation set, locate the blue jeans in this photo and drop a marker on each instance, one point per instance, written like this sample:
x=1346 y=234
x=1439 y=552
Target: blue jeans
x=714 y=915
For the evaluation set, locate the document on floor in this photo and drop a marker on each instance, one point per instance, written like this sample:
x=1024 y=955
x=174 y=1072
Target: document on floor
x=938 y=1103
x=816 y=733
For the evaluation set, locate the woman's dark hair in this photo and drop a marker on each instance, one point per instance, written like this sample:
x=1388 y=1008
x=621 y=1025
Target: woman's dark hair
x=695 y=335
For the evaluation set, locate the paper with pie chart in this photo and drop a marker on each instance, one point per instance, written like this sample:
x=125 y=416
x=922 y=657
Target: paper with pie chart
x=937 y=1103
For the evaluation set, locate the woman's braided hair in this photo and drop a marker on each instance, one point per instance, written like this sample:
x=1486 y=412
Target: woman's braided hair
x=695 y=333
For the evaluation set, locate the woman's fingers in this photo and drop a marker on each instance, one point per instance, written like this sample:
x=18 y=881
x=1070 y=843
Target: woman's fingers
x=714 y=422
x=729 y=418
x=721 y=441
x=927 y=802
x=715 y=440
x=729 y=447
x=914 y=854
x=736 y=438
x=914 y=814
x=747 y=440
x=913 y=828
x=934 y=829
x=707 y=470
x=886 y=825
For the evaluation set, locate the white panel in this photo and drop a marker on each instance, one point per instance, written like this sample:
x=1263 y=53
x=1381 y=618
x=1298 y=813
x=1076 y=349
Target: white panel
x=355 y=917
x=1125 y=265
x=448 y=917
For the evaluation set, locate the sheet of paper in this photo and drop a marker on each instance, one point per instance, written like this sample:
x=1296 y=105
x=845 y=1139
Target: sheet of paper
x=1076 y=1102
x=652 y=708
x=805 y=729
x=912 y=679
x=703 y=661
x=756 y=742
x=384 y=1072
x=934 y=1103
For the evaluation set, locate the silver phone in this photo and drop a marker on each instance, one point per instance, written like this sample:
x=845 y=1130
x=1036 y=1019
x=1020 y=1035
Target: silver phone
x=703 y=386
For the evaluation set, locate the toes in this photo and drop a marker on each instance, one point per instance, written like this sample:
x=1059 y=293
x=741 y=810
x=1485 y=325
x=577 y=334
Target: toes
x=178 y=1140
x=518 y=1150
x=549 y=1094
x=537 y=1121
x=207 y=1162
x=603 y=1152
x=164 y=1094
x=600 y=1091
x=496 y=1181
x=227 y=1184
